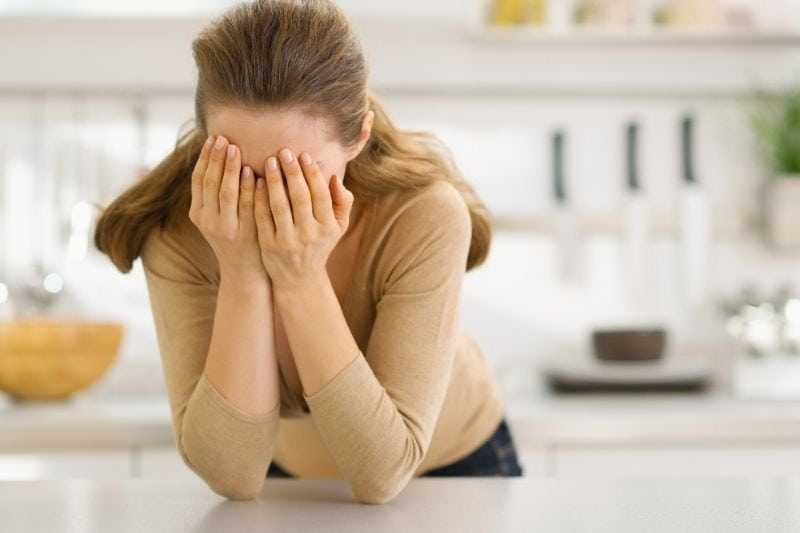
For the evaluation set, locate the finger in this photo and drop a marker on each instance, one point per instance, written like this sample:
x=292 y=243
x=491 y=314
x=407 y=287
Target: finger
x=229 y=189
x=299 y=195
x=263 y=214
x=342 y=202
x=278 y=200
x=198 y=173
x=247 y=189
x=321 y=200
x=213 y=175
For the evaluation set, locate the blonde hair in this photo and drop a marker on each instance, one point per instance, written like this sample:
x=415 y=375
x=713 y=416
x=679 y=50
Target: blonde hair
x=280 y=54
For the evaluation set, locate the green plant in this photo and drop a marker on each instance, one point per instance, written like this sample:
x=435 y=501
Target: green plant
x=777 y=125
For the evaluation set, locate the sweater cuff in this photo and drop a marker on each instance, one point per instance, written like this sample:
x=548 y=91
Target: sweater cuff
x=223 y=406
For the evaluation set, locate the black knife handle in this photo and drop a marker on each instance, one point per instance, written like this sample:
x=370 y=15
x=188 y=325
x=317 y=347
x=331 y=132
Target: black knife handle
x=688 y=154
x=632 y=153
x=559 y=187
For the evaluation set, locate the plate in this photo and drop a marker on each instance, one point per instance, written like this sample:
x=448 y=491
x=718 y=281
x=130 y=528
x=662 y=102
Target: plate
x=587 y=375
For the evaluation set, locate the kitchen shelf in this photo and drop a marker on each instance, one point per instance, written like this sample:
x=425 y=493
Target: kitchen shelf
x=602 y=37
x=429 y=59
x=614 y=225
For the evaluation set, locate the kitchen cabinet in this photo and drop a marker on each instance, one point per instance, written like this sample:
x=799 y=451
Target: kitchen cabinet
x=656 y=436
x=607 y=462
x=89 y=464
x=677 y=462
x=115 y=463
x=535 y=462
x=161 y=463
x=598 y=437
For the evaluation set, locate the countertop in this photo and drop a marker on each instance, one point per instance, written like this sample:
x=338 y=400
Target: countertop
x=536 y=420
x=426 y=504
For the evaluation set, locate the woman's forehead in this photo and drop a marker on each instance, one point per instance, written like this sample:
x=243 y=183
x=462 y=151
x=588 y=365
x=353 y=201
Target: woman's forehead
x=260 y=134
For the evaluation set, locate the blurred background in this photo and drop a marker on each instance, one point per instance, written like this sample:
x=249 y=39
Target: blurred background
x=641 y=160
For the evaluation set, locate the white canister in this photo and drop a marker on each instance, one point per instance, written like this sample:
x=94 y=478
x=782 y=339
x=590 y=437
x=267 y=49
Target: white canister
x=561 y=15
x=692 y=13
x=606 y=13
x=782 y=212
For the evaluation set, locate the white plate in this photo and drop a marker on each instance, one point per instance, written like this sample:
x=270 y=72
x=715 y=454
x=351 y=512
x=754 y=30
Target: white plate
x=670 y=371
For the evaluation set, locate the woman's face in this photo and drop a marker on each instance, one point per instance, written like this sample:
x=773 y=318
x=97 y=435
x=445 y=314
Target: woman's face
x=261 y=134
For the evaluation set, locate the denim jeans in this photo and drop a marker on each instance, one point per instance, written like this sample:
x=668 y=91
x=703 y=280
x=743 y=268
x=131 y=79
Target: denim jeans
x=496 y=457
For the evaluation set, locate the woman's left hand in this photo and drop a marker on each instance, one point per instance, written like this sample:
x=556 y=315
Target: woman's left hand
x=299 y=228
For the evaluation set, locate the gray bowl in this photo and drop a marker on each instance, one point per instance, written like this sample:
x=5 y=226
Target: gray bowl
x=633 y=344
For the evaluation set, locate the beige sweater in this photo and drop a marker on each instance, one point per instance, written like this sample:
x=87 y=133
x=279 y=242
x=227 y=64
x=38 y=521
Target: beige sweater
x=420 y=396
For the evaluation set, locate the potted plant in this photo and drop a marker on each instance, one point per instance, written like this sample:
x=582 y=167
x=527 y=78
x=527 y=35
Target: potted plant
x=777 y=124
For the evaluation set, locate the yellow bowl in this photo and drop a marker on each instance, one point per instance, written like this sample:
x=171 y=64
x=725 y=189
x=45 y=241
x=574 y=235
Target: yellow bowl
x=43 y=359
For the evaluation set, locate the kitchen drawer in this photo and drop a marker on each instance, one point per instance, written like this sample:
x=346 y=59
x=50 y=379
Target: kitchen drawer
x=677 y=462
x=92 y=464
x=534 y=462
x=161 y=463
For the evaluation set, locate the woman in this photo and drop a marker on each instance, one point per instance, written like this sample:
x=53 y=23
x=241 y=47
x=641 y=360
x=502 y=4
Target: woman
x=310 y=327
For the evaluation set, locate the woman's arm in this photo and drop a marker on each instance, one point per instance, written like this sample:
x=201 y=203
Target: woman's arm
x=377 y=417
x=218 y=349
x=317 y=332
x=223 y=397
x=241 y=361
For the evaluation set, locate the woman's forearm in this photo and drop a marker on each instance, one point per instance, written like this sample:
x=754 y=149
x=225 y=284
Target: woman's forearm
x=241 y=361
x=321 y=341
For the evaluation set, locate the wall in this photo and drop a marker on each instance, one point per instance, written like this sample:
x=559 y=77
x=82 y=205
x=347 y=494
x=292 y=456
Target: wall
x=494 y=103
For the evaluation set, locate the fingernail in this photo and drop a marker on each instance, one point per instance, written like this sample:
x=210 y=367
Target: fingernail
x=260 y=183
x=208 y=142
x=247 y=172
x=220 y=142
x=272 y=163
x=286 y=155
x=231 y=151
x=305 y=158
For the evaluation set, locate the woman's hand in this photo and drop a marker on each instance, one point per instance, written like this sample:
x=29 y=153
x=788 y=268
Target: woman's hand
x=222 y=208
x=298 y=229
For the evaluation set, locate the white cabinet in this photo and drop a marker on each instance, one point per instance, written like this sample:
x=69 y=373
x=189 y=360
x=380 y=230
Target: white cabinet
x=567 y=462
x=654 y=461
x=115 y=463
x=93 y=464
x=534 y=462
x=162 y=463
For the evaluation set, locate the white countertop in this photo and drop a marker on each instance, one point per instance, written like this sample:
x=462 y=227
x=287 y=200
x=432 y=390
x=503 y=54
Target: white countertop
x=426 y=504
x=538 y=420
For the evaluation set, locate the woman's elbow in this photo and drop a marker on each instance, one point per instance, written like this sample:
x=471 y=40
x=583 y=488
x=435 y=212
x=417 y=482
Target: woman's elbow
x=235 y=490
x=376 y=492
x=230 y=487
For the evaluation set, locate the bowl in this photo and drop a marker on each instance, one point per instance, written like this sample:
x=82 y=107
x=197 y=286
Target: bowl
x=634 y=344
x=43 y=359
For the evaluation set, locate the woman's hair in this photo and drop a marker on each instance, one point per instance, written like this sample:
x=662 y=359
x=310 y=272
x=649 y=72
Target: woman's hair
x=277 y=55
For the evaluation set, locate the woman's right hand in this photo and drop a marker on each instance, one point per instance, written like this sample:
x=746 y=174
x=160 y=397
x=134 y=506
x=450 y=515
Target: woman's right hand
x=222 y=209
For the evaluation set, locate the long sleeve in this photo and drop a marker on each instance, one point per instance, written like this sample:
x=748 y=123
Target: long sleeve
x=378 y=414
x=228 y=448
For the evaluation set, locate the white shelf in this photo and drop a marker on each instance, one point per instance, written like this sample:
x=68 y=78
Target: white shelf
x=725 y=226
x=426 y=59
x=620 y=37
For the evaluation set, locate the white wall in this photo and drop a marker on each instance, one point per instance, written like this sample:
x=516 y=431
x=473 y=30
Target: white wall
x=771 y=14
